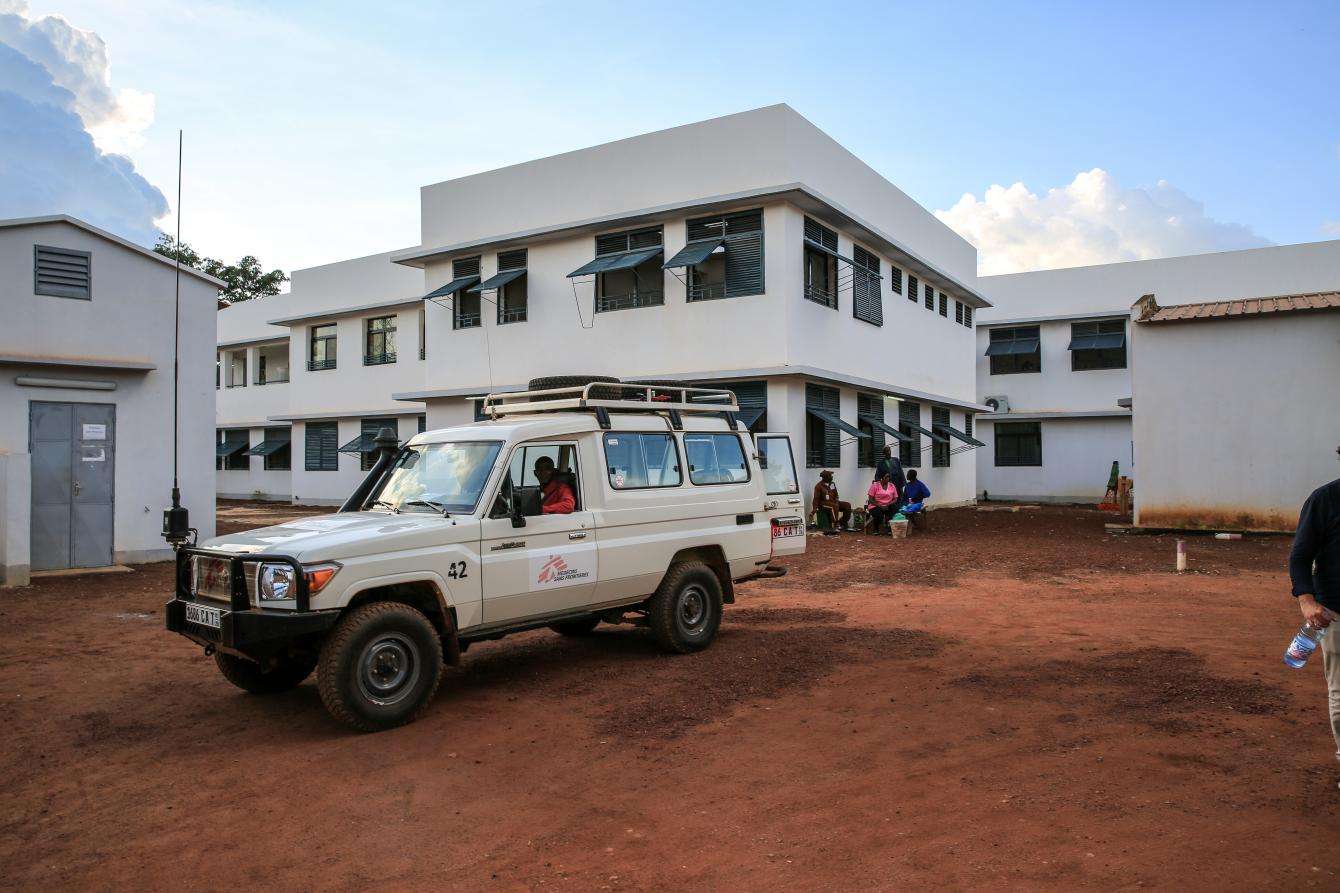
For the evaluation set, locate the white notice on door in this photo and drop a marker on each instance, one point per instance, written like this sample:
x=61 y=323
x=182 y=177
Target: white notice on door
x=95 y=432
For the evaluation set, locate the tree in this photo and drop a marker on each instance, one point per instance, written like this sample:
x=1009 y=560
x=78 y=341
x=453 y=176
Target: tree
x=245 y=278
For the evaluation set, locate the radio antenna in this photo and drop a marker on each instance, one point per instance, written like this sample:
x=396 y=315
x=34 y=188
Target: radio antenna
x=176 y=523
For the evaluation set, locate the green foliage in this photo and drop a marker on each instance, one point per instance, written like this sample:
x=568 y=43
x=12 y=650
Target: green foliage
x=245 y=278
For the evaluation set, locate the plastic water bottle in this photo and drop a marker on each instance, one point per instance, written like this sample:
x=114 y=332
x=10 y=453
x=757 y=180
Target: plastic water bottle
x=1303 y=644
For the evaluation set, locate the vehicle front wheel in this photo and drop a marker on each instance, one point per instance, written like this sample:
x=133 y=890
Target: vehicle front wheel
x=582 y=626
x=685 y=612
x=380 y=666
x=282 y=674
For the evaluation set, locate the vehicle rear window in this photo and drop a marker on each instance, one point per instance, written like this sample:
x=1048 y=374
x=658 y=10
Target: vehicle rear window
x=634 y=461
x=715 y=459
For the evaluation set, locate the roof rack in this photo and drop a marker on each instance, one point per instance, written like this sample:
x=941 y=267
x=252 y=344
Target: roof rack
x=602 y=396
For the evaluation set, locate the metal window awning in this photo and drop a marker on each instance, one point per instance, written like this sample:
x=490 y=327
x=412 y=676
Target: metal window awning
x=230 y=447
x=452 y=287
x=846 y=260
x=494 y=283
x=268 y=446
x=608 y=263
x=694 y=253
x=749 y=415
x=829 y=419
x=931 y=434
x=1098 y=342
x=887 y=429
x=362 y=444
x=1008 y=348
x=960 y=436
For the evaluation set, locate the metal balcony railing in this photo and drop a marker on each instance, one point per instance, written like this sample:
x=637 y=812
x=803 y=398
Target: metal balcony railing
x=467 y=320
x=318 y=365
x=820 y=296
x=606 y=303
x=272 y=380
x=708 y=291
x=236 y=384
x=379 y=359
x=511 y=314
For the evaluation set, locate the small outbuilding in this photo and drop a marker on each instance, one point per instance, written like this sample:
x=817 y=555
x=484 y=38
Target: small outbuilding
x=86 y=409
x=1235 y=418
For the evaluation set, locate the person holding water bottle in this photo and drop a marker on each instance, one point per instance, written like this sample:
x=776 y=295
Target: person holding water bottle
x=1314 y=570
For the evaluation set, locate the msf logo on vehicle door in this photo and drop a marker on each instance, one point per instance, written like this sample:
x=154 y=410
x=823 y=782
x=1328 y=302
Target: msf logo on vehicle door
x=567 y=567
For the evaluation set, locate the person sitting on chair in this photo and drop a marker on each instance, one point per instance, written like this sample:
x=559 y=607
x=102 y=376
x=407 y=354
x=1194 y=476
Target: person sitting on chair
x=556 y=497
x=915 y=495
x=826 y=500
x=881 y=502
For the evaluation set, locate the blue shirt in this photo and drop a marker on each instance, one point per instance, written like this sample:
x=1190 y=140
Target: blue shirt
x=917 y=492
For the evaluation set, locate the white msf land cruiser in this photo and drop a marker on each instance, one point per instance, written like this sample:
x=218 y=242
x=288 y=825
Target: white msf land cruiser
x=580 y=501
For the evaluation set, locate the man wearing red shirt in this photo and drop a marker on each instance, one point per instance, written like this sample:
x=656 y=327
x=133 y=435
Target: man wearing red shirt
x=556 y=497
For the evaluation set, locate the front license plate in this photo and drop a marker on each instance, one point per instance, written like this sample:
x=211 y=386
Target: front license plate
x=211 y=617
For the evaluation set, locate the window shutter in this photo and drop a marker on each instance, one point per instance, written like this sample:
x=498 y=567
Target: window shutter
x=61 y=272
x=320 y=446
x=612 y=243
x=909 y=413
x=939 y=451
x=512 y=260
x=912 y=288
x=958 y=312
x=967 y=316
x=820 y=397
x=871 y=406
x=465 y=266
x=644 y=238
x=744 y=265
x=820 y=234
x=867 y=303
x=944 y=305
x=930 y=297
x=628 y=240
x=896 y=280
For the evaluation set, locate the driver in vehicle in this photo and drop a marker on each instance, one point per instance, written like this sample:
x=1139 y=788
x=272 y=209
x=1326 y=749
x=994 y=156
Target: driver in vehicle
x=556 y=497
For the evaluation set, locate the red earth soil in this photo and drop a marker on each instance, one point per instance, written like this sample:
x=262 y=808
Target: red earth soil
x=1013 y=700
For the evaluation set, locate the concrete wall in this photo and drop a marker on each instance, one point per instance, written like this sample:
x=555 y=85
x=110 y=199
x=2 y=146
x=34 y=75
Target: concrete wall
x=1077 y=454
x=1234 y=419
x=129 y=319
x=1057 y=388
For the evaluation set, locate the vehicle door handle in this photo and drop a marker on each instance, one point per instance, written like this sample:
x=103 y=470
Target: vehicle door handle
x=579 y=535
x=794 y=500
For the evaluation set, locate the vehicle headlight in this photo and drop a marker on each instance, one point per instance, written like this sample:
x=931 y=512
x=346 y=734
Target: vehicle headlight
x=276 y=583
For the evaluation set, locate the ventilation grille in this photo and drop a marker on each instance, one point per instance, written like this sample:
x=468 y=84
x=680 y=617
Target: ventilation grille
x=465 y=266
x=61 y=272
x=820 y=234
x=512 y=260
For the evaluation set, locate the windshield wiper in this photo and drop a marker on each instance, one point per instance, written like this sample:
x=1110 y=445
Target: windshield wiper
x=389 y=505
x=432 y=504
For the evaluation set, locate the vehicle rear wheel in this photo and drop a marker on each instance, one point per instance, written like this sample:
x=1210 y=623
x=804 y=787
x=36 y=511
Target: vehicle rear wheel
x=685 y=612
x=380 y=666
x=283 y=674
x=582 y=626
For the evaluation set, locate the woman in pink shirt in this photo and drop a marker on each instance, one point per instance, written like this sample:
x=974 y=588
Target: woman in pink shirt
x=881 y=502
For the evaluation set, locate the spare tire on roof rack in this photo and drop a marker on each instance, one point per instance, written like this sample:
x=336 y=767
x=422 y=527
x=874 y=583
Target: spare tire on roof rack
x=575 y=382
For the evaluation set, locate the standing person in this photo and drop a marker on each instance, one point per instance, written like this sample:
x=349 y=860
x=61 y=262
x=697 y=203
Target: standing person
x=892 y=466
x=1314 y=570
x=882 y=502
x=826 y=500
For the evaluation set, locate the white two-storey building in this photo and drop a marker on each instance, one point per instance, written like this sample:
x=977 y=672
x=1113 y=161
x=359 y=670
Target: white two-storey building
x=751 y=251
x=1055 y=357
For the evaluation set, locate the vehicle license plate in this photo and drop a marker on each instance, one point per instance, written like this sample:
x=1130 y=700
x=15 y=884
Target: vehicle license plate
x=211 y=617
x=788 y=528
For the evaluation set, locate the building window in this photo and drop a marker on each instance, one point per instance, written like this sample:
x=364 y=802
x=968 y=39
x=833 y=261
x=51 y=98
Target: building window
x=280 y=456
x=909 y=417
x=958 y=312
x=321 y=350
x=1015 y=350
x=638 y=461
x=867 y=300
x=370 y=428
x=822 y=440
x=1098 y=345
x=465 y=312
x=868 y=407
x=511 y=293
x=939 y=448
x=896 y=280
x=967 y=316
x=232 y=452
x=967 y=423
x=380 y=346
x=735 y=268
x=237 y=369
x=944 y=305
x=62 y=272
x=638 y=281
x=912 y=288
x=321 y=446
x=930 y=296
x=423 y=335
x=715 y=459
x=820 y=264
x=1018 y=444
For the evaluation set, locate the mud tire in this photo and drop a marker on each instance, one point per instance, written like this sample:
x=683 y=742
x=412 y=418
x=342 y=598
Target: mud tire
x=380 y=667
x=685 y=612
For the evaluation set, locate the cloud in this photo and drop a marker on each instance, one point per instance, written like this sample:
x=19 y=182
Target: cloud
x=55 y=94
x=1092 y=220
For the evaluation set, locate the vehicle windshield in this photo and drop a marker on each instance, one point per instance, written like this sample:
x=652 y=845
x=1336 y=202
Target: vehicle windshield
x=439 y=477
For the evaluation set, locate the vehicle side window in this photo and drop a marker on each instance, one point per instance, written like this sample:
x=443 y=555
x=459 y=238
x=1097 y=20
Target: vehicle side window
x=521 y=486
x=779 y=467
x=716 y=459
x=634 y=461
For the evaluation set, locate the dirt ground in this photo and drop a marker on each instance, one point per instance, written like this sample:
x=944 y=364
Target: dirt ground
x=1009 y=700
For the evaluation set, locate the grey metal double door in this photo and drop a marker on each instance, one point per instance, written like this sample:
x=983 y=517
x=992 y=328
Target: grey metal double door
x=73 y=449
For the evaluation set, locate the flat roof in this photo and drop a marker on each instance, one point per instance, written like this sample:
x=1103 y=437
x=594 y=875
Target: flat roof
x=334 y=312
x=1148 y=310
x=102 y=233
x=110 y=363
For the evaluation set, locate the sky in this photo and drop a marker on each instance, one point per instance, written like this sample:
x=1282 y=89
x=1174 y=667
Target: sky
x=1048 y=134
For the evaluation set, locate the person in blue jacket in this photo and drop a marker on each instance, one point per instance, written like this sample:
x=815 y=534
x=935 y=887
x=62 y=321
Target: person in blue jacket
x=915 y=495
